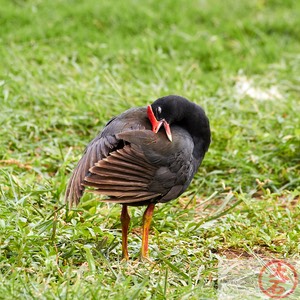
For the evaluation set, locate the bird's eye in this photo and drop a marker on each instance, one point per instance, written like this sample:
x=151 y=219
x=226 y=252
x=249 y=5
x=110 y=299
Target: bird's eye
x=158 y=110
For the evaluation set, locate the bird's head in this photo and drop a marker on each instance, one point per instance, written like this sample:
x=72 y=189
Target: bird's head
x=157 y=118
x=165 y=111
x=175 y=110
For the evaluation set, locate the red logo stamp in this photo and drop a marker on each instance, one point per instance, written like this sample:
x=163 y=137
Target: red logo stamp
x=278 y=279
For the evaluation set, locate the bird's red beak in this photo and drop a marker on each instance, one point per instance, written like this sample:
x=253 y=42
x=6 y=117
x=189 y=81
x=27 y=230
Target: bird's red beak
x=157 y=124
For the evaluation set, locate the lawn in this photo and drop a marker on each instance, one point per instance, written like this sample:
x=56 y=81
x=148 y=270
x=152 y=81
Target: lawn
x=68 y=66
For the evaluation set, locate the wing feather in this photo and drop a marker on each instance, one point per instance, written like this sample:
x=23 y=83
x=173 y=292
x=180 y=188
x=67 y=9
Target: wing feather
x=95 y=151
x=124 y=175
x=109 y=172
x=99 y=148
x=126 y=198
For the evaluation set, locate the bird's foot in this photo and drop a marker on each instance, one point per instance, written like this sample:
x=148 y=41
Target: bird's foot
x=146 y=259
x=125 y=256
x=124 y=260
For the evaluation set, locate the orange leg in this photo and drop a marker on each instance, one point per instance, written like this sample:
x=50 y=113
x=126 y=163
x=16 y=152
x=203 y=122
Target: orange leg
x=125 y=220
x=147 y=218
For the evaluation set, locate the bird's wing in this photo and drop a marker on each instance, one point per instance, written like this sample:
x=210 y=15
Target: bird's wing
x=101 y=146
x=124 y=175
x=172 y=161
x=134 y=166
x=141 y=171
x=96 y=150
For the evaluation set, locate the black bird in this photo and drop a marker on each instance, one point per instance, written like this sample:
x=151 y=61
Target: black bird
x=144 y=156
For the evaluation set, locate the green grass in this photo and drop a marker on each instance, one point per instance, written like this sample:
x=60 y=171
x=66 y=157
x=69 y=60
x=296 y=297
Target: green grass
x=68 y=66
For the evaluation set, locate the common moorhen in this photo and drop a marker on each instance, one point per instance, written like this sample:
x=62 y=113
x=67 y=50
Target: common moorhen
x=144 y=156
